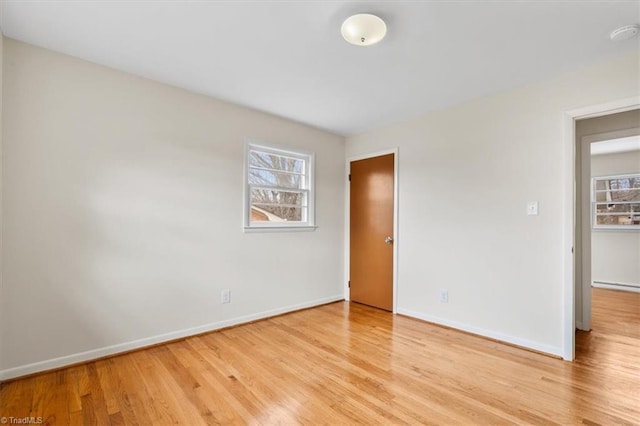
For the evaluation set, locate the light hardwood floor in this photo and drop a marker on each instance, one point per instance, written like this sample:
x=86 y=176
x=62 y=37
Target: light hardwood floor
x=347 y=363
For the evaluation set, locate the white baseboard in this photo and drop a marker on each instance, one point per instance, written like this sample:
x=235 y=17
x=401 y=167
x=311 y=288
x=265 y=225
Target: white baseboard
x=93 y=354
x=540 y=347
x=616 y=286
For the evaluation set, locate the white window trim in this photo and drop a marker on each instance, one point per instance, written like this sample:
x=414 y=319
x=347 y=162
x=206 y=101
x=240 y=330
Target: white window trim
x=594 y=222
x=309 y=157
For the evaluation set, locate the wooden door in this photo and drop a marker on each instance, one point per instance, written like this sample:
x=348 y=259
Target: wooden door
x=371 y=231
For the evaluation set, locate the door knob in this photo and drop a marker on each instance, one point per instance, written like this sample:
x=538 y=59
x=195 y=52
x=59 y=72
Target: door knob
x=388 y=240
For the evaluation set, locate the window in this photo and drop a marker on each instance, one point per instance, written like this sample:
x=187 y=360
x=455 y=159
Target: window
x=279 y=188
x=616 y=202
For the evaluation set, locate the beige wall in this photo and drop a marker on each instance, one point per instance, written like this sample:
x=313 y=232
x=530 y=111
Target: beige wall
x=123 y=203
x=466 y=174
x=615 y=255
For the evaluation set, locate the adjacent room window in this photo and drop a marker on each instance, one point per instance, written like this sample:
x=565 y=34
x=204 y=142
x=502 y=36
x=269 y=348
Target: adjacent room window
x=279 y=188
x=616 y=202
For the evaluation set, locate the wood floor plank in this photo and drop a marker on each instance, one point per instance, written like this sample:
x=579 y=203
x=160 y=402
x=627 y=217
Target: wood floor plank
x=59 y=408
x=347 y=363
x=164 y=393
x=134 y=401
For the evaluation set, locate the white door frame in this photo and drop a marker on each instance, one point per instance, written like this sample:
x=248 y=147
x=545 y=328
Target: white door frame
x=569 y=209
x=347 y=225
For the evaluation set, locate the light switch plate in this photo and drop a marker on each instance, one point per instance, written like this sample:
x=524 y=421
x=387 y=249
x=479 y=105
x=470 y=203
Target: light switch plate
x=532 y=208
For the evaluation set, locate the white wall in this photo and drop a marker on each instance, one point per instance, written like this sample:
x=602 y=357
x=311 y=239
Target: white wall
x=466 y=174
x=123 y=214
x=615 y=255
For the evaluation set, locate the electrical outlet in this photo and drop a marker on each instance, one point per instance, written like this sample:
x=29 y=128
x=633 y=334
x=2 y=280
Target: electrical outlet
x=226 y=296
x=444 y=296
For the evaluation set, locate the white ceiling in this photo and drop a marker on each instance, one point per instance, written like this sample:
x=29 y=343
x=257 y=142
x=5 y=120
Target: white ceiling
x=288 y=58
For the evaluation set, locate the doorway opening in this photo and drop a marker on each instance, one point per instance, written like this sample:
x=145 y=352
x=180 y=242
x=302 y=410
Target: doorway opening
x=572 y=304
x=606 y=157
x=572 y=230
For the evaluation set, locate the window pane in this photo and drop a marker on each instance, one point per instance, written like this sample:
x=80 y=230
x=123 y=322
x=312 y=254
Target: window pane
x=618 y=220
x=631 y=194
x=266 y=160
x=270 y=196
x=275 y=214
x=271 y=178
x=280 y=205
x=613 y=208
x=601 y=185
x=602 y=196
x=624 y=183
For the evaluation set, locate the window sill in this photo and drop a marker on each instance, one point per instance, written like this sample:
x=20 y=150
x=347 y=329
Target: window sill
x=627 y=228
x=252 y=229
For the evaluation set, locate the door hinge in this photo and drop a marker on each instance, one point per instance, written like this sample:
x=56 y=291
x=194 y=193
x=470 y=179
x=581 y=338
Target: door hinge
x=349 y=283
x=349 y=177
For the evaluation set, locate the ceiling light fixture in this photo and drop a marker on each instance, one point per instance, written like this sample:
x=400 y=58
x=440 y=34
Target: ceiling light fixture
x=624 y=33
x=363 y=29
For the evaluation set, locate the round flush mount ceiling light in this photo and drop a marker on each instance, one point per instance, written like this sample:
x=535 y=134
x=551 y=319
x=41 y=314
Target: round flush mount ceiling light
x=363 y=29
x=624 y=33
